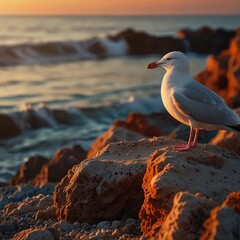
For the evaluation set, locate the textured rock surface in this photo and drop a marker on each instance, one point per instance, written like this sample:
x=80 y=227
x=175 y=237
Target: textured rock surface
x=186 y=217
x=113 y=134
x=206 y=169
x=107 y=186
x=223 y=73
x=34 y=204
x=227 y=140
x=32 y=166
x=223 y=224
x=57 y=167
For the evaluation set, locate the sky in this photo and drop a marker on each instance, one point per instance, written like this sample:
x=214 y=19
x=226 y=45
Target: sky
x=119 y=7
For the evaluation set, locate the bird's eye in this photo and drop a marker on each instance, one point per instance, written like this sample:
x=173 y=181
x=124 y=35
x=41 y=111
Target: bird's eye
x=169 y=59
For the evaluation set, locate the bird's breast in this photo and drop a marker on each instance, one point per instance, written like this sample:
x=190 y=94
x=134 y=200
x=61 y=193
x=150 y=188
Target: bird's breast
x=166 y=94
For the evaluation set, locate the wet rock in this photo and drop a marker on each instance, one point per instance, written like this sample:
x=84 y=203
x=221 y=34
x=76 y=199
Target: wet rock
x=140 y=43
x=8 y=128
x=32 y=166
x=63 y=225
x=206 y=40
x=58 y=166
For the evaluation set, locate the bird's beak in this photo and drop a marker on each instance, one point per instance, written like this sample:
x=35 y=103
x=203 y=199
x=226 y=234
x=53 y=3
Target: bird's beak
x=153 y=65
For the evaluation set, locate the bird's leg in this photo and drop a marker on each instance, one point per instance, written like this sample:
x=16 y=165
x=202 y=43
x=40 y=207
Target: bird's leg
x=188 y=145
x=194 y=143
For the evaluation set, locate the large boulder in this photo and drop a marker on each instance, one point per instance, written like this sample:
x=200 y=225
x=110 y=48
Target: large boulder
x=58 y=166
x=109 y=185
x=222 y=74
x=206 y=170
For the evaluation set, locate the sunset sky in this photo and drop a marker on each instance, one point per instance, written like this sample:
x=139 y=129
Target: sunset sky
x=112 y=7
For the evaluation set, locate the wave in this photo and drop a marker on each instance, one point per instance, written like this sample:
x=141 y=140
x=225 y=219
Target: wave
x=124 y=43
x=29 y=118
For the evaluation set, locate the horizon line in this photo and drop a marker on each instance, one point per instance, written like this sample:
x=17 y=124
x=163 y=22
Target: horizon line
x=117 y=15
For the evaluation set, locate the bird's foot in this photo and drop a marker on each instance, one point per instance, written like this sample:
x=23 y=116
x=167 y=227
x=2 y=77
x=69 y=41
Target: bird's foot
x=186 y=147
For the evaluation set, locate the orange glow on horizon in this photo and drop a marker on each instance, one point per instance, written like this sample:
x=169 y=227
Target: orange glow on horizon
x=108 y=7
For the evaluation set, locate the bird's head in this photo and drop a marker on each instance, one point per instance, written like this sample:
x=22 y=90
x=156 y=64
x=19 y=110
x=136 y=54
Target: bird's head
x=174 y=61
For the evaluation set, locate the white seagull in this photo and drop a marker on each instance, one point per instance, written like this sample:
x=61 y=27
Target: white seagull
x=190 y=102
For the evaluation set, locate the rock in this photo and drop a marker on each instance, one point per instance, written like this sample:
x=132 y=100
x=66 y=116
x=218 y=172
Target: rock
x=103 y=225
x=114 y=134
x=108 y=185
x=223 y=224
x=223 y=73
x=208 y=170
x=8 y=128
x=32 y=166
x=186 y=217
x=63 y=225
x=233 y=200
x=46 y=214
x=34 y=234
x=57 y=167
x=34 y=204
x=116 y=224
x=8 y=227
x=206 y=40
x=139 y=123
x=141 y=43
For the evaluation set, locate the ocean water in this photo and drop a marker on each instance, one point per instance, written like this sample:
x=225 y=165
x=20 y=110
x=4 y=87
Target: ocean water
x=88 y=93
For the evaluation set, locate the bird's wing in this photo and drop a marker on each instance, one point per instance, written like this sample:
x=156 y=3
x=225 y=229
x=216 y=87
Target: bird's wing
x=203 y=105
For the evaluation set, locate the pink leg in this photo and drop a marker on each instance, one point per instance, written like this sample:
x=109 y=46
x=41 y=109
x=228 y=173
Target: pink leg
x=188 y=145
x=194 y=143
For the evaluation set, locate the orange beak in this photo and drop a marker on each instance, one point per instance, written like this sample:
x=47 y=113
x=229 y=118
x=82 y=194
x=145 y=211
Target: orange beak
x=152 y=65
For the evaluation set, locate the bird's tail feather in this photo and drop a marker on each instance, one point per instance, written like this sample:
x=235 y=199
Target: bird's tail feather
x=235 y=128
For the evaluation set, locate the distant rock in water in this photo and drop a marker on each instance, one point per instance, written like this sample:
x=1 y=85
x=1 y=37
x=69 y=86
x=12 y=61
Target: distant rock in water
x=32 y=166
x=8 y=127
x=126 y=42
x=142 y=43
x=58 y=166
x=222 y=74
x=206 y=40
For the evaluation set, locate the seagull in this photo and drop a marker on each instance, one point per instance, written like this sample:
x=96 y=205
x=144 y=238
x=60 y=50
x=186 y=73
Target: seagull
x=190 y=102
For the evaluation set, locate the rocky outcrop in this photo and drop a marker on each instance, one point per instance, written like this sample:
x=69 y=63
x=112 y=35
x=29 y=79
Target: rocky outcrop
x=140 y=43
x=206 y=40
x=113 y=134
x=205 y=170
x=8 y=128
x=32 y=166
x=224 y=220
x=63 y=160
x=223 y=73
x=108 y=185
x=227 y=140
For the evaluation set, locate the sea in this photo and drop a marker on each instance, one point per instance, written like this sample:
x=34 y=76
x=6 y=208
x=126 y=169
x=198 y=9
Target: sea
x=88 y=93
